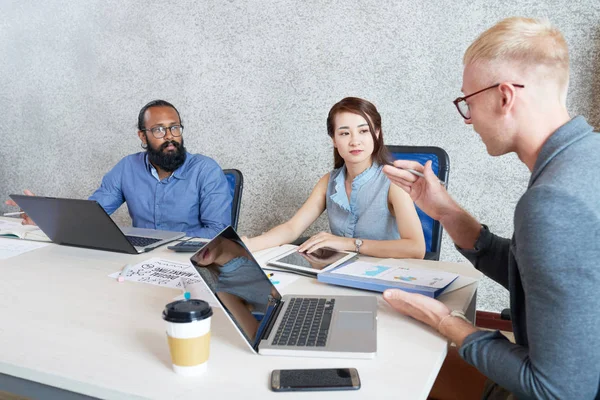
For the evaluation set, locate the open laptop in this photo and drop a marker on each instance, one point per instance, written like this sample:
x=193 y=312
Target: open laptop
x=290 y=325
x=84 y=223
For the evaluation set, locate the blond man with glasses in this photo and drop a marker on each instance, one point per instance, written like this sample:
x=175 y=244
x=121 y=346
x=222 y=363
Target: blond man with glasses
x=515 y=82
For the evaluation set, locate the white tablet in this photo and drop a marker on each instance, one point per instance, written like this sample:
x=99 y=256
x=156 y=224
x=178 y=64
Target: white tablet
x=313 y=263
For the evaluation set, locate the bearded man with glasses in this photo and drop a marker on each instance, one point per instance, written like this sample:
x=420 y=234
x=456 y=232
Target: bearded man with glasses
x=515 y=82
x=165 y=187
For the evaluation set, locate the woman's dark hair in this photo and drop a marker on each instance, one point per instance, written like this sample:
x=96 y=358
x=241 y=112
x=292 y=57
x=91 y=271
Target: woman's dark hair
x=154 y=103
x=368 y=111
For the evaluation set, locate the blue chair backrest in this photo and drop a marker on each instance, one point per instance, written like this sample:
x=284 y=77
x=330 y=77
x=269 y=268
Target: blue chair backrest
x=231 y=181
x=236 y=185
x=432 y=229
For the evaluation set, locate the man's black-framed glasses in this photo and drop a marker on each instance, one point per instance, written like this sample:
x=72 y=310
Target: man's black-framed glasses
x=159 y=132
x=463 y=107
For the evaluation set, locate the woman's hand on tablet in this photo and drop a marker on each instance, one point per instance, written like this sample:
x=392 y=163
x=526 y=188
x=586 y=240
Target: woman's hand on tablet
x=324 y=239
x=321 y=258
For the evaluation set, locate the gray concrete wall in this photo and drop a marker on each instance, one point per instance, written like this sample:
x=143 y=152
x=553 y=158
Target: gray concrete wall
x=254 y=81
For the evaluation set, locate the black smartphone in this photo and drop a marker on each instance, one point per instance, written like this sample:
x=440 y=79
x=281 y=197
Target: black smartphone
x=188 y=246
x=293 y=380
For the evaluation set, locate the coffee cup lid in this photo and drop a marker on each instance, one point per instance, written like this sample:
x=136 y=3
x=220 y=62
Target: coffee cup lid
x=187 y=311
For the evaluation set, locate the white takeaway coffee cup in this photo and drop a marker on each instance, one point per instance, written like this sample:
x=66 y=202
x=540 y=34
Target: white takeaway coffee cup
x=188 y=335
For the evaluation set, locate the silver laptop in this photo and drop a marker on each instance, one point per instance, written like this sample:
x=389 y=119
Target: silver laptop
x=84 y=223
x=271 y=324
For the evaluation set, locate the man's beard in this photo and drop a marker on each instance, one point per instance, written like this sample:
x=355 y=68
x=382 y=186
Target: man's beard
x=170 y=161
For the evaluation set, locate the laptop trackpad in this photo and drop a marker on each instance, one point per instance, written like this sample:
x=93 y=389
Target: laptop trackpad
x=355 y=320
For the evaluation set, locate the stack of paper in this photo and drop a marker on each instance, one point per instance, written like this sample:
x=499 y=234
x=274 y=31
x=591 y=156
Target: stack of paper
x=17 y=230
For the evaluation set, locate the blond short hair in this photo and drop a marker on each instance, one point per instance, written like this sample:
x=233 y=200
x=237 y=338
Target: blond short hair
x=527 y=41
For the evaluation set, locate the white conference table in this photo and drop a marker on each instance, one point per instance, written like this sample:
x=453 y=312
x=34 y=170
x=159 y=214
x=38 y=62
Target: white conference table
x=65 y=324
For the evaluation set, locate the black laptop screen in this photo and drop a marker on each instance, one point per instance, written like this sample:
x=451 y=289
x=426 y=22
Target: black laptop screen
x=238 y=282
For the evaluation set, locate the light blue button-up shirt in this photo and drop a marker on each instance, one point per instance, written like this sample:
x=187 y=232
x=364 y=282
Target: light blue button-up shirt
x=195 y=199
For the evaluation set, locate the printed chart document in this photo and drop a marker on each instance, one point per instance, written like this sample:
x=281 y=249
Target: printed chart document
x=11 y=247
x=17 y=230
x=379 y=277
x=467 y=275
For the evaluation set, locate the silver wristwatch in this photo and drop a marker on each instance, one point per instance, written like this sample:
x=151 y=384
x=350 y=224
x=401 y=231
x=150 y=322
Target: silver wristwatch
x=358 y=243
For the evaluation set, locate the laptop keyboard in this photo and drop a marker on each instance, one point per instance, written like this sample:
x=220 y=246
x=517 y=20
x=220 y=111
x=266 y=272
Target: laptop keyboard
x=305 y=323
x=140 y=241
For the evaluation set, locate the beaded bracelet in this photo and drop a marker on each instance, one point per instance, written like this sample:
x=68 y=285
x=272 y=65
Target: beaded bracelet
x=453 y=313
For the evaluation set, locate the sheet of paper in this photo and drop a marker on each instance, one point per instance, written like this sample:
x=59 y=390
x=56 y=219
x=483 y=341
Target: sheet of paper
x=402 y=274
x=14 y=247
x=13 y=225
x=467 y=273
x=167 y=273
x=263 y=256
x=281 y=279
x=459 y=283
x=160 y=272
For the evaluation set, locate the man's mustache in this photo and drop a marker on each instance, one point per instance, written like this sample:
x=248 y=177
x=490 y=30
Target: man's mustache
x=163 y=146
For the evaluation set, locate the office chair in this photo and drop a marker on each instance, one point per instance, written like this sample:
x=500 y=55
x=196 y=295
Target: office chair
x=440 y=163
x=236 y=185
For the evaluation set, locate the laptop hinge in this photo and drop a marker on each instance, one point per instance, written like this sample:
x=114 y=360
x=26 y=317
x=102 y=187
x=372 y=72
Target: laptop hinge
x=267 y=330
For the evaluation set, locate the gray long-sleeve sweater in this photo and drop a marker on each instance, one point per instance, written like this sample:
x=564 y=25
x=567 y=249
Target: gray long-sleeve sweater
x=551 y=267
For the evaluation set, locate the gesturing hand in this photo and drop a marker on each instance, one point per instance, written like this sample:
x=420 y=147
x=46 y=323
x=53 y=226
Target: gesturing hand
x=427 y=193
x=417 y=306
x=24 y=217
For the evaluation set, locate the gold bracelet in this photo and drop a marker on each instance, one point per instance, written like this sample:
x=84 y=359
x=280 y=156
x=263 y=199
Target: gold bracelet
x=453 y=313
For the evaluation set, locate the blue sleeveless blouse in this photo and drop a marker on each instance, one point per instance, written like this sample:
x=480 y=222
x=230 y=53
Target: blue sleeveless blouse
x=366 y=215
